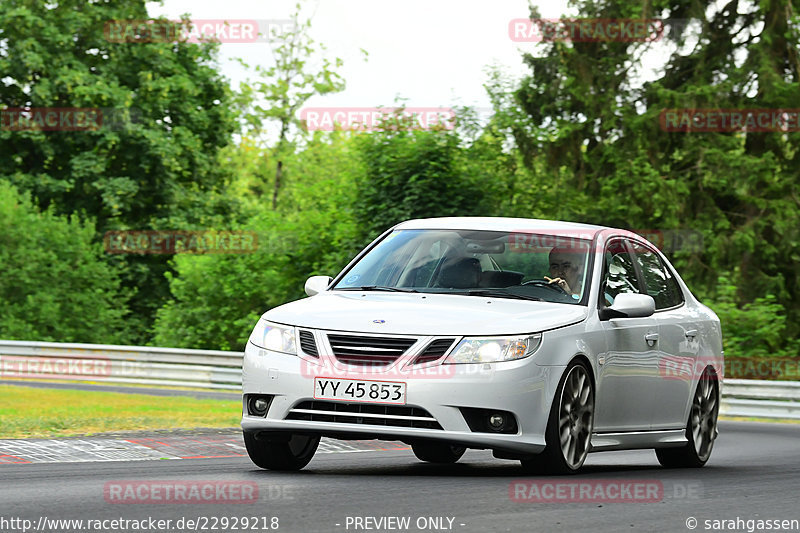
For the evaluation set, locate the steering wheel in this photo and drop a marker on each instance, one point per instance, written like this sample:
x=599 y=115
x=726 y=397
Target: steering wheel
x=544 y=283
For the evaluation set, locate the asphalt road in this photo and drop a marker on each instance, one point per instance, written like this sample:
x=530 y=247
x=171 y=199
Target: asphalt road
x=752 y=475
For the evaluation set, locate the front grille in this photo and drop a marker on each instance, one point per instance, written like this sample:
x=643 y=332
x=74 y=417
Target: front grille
x=434 y=351
x=366 y=414
x=307 y=343
x=368 y=351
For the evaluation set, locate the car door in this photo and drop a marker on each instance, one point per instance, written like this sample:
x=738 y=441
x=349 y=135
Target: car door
x=628 y=369
x=678 y=346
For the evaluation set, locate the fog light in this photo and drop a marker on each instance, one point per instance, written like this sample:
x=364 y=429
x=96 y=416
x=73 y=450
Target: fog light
x=489 y=420
x=497 y=422
x=258 y=405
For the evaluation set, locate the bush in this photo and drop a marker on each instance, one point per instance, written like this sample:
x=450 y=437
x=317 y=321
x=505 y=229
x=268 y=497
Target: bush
x=55 y=284
x=754 y=329
x=218 y=298
x=417 y=174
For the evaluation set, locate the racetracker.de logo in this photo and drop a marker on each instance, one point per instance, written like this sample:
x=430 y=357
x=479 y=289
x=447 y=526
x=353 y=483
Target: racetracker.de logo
x=51 y=119
x=171 y=492
x=195 y=30
x=686 y=367
x=374 y=118
x=172 y=242
x=579 y=241
x=67 y=118
x=586 y=491
x=689 y=368
x=730 y=120
x=327 y=369
x=20 y=366
x=585 y=30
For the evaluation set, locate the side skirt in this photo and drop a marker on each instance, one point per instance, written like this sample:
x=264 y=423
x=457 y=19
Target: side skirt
x=632 y=440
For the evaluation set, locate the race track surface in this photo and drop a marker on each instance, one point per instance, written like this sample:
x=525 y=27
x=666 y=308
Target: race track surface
x=380 y=486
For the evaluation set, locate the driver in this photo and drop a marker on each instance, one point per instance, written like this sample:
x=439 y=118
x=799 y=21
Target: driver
x=566 y=269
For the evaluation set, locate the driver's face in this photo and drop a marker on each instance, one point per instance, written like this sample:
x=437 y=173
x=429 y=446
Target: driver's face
x=565 y=265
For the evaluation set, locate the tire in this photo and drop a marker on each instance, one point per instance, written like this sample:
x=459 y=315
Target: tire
x=701 y=428
x=437 y=452
x=568 y=435
x=292 y=454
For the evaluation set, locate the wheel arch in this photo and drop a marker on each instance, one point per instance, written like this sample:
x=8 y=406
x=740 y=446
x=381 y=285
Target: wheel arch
x=586 y=361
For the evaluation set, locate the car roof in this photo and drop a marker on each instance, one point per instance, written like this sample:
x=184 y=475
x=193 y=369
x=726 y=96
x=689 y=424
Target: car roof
x=522 y=225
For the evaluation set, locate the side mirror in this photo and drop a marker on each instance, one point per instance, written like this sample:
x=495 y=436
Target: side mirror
x=628 y=305
x=317 y=284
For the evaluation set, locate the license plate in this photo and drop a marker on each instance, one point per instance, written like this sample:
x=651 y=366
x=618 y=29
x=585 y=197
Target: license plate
x=360 y=390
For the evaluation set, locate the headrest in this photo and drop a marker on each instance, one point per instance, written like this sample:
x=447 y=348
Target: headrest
x=461 y=273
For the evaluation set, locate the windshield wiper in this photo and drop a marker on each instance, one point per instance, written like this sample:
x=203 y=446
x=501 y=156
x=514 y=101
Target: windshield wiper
x=377 y=288
x=498 y=294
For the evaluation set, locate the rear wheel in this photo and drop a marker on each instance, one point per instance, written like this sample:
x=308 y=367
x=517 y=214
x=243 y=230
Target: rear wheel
x=569 y=428
x=291 y=454
x=701 y=428
x=437 y=452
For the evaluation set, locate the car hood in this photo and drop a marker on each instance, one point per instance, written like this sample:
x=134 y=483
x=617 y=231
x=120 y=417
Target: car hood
x=425 y=314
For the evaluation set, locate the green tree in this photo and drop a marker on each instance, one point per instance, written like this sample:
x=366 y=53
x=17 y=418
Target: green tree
x=283 y=88
x=217 y=299
x=596 y=151
x=415 y=173
x=158 y=169
x=55 y=285
x=755 y=329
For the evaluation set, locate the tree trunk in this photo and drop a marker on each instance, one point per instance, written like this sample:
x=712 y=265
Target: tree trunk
x=278 y=172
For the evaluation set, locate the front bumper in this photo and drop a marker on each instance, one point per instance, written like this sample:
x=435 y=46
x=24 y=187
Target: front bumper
x=521 y=387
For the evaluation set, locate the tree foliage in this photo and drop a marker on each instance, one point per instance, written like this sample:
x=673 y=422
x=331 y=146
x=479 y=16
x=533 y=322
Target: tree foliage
x=577 y=137
x=55 y=285
x=414 y=173
x=283 y=88
x=218 y=298
x=592 y=141
x=154 y=169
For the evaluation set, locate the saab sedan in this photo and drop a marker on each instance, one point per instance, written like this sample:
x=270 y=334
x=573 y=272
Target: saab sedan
x=539 y=340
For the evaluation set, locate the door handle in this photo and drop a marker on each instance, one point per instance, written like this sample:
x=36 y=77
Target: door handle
x=651 y=338
x=691 y=334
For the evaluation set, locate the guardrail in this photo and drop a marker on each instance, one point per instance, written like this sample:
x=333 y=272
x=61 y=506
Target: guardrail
x=141 y=365
x=214 y=369
x=761 y=398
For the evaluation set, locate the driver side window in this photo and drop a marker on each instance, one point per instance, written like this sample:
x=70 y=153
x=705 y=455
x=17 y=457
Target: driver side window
x=619 y=274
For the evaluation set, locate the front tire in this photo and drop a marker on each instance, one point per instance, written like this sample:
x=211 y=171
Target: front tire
x=291 y=454
x=437 y=452
x=569 y=428
x=701 y=428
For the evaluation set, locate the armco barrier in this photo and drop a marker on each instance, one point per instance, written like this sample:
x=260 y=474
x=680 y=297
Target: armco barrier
x=142 y=365
x=760 y=398
x=214 y=369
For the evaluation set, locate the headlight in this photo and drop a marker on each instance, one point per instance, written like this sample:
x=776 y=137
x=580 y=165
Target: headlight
x=494 y=349
x=275 y=337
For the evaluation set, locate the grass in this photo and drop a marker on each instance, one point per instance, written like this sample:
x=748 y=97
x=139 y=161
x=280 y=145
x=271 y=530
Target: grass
x=126 y=385
x=756 y=419
x=27 y=412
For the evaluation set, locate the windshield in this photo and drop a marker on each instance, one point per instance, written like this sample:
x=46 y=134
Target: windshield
x=479 y=263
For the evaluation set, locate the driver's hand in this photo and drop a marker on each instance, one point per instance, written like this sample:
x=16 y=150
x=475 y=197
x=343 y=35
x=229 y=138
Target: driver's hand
x=561 y=283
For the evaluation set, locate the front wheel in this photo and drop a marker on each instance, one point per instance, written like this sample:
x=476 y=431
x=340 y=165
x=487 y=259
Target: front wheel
x=569 y=429
x=437 y=452
x=701 y=428
x=291 y=454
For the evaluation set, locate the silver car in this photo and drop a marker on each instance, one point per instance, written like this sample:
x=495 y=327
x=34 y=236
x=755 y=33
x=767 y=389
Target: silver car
x=539 y=340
